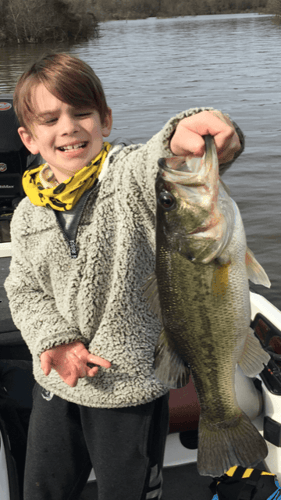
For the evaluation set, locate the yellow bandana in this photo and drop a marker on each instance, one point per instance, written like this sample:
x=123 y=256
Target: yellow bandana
x=43 y=189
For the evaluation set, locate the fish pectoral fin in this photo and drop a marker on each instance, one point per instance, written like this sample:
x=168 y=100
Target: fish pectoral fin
x=170 y=368
x=255 y=271
x=254 y=357
x=150 y=292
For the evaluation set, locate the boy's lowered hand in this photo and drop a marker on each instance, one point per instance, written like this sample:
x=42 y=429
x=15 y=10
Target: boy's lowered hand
x=71 y=362
x=188 y=139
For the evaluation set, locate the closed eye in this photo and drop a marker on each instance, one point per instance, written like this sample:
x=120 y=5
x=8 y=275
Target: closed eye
x=84 y=114
x=50 y=121
x=47 y=120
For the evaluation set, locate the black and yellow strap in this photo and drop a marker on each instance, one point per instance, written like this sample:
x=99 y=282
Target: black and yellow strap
x=239 y=483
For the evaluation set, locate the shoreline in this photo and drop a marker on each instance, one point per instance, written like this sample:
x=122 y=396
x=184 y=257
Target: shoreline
x=119 y=17
x=101 y=19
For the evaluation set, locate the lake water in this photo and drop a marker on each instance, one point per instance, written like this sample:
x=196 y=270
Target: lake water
x=151 y=69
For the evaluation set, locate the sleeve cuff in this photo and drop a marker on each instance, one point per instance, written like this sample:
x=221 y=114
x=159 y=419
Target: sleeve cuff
x=50 y=342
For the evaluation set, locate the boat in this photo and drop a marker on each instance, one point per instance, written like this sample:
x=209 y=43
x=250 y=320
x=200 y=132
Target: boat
x=260 y=398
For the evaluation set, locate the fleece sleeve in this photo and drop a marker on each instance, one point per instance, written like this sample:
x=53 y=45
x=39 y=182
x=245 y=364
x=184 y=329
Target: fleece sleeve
x=34 y=311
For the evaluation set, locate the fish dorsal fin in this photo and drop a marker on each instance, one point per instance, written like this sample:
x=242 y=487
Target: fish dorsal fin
x=150 y=292
x=255 y=271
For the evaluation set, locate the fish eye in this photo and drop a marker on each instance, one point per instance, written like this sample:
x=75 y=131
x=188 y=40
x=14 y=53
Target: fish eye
x=166 y=200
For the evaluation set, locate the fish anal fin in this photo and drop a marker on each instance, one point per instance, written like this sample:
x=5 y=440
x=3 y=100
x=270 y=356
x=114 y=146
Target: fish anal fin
x=223 y=445
x=150 y=292
x=255 y=271
x=253 y=357
x=169 y=367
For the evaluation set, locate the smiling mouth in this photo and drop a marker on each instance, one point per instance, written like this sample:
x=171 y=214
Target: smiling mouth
x=73 y=146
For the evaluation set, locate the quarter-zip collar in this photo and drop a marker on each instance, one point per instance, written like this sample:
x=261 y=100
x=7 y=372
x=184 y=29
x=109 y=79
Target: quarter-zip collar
x=69 y=221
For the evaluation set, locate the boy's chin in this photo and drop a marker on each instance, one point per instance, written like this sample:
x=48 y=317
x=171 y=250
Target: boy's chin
x=62 y=174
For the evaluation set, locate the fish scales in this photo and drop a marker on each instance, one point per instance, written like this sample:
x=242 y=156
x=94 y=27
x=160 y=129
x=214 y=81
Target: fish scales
x=198 y=311
x=200 y=291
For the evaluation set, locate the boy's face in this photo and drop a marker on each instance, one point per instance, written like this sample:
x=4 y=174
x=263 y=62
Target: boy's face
x=67 y=138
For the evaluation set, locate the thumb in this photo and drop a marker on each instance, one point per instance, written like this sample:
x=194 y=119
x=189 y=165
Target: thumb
x=46 y=363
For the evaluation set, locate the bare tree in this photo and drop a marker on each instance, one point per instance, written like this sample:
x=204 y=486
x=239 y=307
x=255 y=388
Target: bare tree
x=274 y=7
x=29 y=21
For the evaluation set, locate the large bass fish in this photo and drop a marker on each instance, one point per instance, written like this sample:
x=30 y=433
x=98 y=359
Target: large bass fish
x=200 y=291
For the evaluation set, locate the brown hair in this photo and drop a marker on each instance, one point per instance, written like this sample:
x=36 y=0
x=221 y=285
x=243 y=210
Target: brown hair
x=68 y=78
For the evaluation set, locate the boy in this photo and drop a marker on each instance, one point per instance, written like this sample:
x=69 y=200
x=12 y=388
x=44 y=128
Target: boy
x=83 y=243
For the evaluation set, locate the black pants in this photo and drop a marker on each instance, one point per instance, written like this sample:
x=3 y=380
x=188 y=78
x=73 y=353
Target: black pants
x=125 y=446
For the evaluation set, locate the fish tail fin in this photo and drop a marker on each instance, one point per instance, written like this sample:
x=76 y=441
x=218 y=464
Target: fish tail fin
x=223 y=445
x=169 y=367
x=254 y=357
x=255 y=271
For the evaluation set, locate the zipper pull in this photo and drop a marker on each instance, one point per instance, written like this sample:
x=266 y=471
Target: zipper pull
x=73 y=249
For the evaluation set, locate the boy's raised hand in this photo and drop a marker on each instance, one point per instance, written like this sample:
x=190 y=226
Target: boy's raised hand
x=188 y=139
x=70 y=361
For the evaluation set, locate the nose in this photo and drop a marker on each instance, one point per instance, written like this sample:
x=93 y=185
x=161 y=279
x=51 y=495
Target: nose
x=69 y=124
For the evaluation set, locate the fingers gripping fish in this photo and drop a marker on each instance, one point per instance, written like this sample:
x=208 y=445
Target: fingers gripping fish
x=200 y=291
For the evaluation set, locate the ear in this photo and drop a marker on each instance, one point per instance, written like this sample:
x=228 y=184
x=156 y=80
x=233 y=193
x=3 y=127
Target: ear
x=107 y=124
x=28 y=140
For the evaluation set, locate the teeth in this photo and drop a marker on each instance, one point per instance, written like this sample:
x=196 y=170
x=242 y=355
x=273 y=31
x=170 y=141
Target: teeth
x=74 y=146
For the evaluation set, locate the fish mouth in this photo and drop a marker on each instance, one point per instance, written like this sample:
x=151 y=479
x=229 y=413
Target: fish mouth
x=193 y=179
x=174 y=169
x=182 y=170
x=176 y=176
x=188 y=170
x=176 y=164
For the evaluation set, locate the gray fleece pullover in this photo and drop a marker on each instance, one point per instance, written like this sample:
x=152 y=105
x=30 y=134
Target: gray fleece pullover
x=97 y=297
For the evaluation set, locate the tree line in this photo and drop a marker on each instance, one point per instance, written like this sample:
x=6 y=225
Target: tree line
x=135 y=9
x=274 y=7
x=35 y=21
